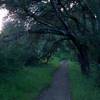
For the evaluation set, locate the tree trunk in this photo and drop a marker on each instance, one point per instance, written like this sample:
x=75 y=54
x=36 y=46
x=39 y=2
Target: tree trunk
x=82 y=55
x=83 y=59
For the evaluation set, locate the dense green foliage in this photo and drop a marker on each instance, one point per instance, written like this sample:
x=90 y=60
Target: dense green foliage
x=38 y=30
x=82 y=87
x=74 y=21
x=26 y=83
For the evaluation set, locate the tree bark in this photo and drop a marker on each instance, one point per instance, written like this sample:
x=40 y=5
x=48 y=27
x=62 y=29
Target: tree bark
x=82 y=55
x=84 y=60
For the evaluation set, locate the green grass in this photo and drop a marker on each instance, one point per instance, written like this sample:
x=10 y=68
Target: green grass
x=82 y=88
x=26 y=83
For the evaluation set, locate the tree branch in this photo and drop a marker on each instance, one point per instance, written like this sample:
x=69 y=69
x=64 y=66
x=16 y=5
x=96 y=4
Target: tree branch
x=36 y=18
x=58 y=12
x=48 y=30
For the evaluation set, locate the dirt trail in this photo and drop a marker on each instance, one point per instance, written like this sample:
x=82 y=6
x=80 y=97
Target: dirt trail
x=59 y=89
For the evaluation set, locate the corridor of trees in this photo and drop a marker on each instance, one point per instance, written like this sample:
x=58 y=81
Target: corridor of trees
x=35 y=31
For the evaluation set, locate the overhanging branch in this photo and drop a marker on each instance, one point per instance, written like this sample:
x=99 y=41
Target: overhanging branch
x=47 y=30
x=36 y=18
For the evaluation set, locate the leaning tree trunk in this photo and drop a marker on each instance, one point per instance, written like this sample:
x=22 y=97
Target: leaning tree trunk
x=83 y=59
x=82 y=55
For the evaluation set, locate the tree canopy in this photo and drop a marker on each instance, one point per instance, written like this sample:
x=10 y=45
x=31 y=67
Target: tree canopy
x=51 y=22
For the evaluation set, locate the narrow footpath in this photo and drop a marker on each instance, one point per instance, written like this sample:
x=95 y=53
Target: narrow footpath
x=59 y=89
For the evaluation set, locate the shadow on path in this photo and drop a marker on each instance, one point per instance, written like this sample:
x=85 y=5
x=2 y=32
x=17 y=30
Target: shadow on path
x=59 y=89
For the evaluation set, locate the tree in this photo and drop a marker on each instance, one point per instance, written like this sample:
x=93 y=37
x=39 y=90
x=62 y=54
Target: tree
x=72 y=20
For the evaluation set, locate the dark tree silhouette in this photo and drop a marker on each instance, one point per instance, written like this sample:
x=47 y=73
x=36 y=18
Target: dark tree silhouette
x=71 y=19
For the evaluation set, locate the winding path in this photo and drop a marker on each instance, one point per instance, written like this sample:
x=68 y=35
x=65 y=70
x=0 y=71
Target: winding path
x=59 y=89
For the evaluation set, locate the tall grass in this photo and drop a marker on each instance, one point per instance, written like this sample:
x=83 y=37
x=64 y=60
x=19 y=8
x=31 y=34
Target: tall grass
x=82 y=88
x=26 y=83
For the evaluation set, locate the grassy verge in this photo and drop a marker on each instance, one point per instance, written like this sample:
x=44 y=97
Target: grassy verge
x=26 y=83
x=82 y=88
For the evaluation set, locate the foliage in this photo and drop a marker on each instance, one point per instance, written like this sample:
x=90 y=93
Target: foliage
x=82 y=87
x=26 y=83
x=74 y=21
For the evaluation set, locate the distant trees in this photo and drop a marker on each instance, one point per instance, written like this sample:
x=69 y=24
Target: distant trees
x=71 y=20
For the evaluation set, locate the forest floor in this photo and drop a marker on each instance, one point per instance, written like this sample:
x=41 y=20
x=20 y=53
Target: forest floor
x=59 y=89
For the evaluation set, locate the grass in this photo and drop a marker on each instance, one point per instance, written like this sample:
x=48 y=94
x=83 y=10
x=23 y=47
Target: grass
x=82 y=88
x=26 y=83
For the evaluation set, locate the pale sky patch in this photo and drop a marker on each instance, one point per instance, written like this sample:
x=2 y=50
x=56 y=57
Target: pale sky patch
x=3 y=13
